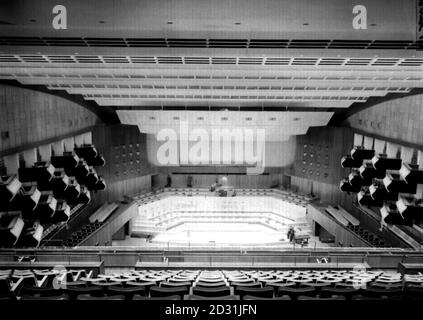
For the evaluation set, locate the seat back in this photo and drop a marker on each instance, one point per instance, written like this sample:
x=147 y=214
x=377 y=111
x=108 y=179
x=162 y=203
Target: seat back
x=196 y=297
x=211 y=291
x=89 y=297
x=266 y=292
x=157 y=292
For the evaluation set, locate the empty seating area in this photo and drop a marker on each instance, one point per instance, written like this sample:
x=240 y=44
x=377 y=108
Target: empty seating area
x=82 y=284
x=78 y=236
x=388 y=177
x=370 y=237
x=43 y=185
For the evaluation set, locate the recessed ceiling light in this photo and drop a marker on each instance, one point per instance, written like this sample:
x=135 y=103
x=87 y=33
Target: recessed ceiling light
x=33 y=20
x=169 y=22
x=237 y=23
x=373 y=24
x=305 y=24
x=101 y=21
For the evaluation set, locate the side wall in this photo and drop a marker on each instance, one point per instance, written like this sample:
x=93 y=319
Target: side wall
x=30 y=117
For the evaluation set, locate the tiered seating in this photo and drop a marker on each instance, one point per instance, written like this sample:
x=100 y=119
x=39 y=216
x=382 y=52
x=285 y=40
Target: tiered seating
x=209 y=285
x=80 y=235
x=348 y=221
x=368 y=236
x=386 y=183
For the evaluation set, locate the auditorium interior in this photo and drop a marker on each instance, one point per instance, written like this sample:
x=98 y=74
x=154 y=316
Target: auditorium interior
x=200 y=150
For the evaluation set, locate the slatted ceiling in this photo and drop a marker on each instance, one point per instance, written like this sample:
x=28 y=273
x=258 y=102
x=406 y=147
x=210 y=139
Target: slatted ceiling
x=197 y=60
x=281 y=61
x=222 y=87
x=210 y=43
x=220 y=97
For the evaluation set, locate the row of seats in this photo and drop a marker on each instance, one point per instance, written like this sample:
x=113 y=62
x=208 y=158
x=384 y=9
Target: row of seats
x=203 y=284
x=78 y=236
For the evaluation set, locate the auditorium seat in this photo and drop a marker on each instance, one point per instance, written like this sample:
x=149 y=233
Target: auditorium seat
x=321 y=298
x=128 y=292
x=5 y=289
x=378 y=298
x=382 y=162
x=346 y=292
x=94 y=291
x=89 y=297
x=265 y=292
x=295 y=292
x=49 y=298
x=211 y=291
x=374 y=292
x=48 y=291
x=413 y=292
x=246 y=284
x=252 y=297
x=195 y=297
x=156 y=291
x=175 y=284
x=173 y=297
x=202 y=283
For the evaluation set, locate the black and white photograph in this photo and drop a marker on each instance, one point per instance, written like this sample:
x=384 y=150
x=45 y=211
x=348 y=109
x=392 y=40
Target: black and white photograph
x=211 y=154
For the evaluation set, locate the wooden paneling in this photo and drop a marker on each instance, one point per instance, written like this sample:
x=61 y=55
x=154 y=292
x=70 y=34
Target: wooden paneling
x=399 y=119
x=127 y=170
x=28 y=117
x=318 y=154
x=329 y=193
